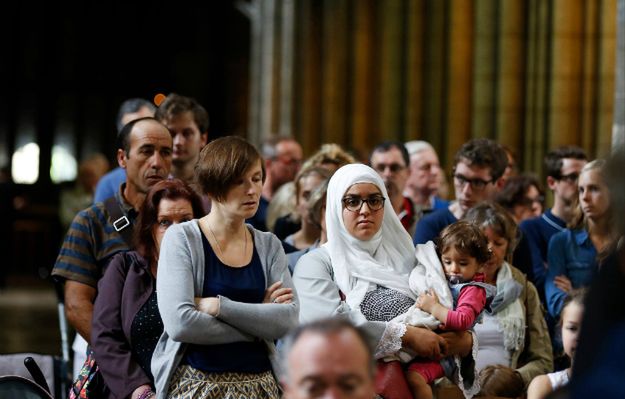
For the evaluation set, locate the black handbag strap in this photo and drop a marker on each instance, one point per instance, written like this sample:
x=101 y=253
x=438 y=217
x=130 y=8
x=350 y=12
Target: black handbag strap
x=120 y=222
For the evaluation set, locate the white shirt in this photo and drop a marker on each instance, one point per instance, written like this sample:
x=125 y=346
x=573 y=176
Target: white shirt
x=491 y=347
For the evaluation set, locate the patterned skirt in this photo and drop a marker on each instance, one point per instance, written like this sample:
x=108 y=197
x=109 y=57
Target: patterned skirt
x=189 y=382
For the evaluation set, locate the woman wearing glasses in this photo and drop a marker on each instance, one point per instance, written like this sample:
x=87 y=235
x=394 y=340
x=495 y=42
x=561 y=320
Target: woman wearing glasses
x=522 y=197
x=362 y=271
x=573 y=252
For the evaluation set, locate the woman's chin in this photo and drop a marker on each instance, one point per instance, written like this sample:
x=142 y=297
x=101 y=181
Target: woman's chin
x=363 y=236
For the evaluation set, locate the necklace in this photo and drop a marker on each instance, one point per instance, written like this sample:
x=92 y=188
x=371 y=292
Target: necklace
x=217 y=242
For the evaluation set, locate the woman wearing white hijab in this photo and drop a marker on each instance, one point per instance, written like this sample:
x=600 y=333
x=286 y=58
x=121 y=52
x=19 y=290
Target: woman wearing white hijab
x=362 y=271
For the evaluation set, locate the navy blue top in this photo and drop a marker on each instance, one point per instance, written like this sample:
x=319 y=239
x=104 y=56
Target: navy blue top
x=430 y=226
x=523 y=259
x=538 y=232
x=242 y=284
x=440 y=203
x=571 y=253
x=146 y=329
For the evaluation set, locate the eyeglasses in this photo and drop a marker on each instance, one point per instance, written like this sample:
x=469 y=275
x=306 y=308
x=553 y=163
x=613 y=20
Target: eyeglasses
x=570 y=178
x=354 y=203
x=476 y=184
x=394 y=167
x=426 y=167
x=288 y=161
x=529 y=202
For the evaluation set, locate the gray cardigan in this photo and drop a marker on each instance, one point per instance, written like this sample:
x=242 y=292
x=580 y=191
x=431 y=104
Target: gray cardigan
x=180 y=279
x=320 y=297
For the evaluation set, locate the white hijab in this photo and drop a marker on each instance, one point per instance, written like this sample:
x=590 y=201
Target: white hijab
x=359 y=266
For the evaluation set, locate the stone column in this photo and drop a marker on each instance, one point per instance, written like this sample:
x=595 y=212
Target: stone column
x=618 y=127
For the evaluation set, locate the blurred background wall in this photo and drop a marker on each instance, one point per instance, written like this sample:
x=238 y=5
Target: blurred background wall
x=532 y=74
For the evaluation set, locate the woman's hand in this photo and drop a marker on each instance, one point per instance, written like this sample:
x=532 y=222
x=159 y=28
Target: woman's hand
x=209 y=305
x=563 y=283
x=424 y=342
x=275 y=294
x=458 y=342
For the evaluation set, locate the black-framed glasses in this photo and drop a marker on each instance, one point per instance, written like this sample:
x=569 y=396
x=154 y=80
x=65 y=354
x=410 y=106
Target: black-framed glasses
x=394 y=167
x=529 y=202
x=570 y=178
x=288 y=161
x=476 y=184
x=354 y=203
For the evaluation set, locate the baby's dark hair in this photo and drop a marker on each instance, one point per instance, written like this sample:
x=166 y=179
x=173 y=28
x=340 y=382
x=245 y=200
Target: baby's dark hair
x=577 y=296
x=466 y=238
x=500 y=381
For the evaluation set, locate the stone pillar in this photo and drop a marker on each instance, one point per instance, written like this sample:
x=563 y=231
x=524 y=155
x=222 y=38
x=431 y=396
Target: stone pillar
x=261 y=14
x=618 y=127
x=287 y=39
x=485 y=68
x=460 y=61
x=511 y=80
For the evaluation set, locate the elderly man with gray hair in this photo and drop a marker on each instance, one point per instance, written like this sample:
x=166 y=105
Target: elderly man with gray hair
x=424 y=182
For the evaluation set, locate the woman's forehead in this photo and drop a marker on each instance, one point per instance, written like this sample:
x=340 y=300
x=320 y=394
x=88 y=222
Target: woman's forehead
x=363 y=189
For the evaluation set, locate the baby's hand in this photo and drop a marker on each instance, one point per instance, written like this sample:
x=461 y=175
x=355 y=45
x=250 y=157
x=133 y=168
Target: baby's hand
x=427 y=301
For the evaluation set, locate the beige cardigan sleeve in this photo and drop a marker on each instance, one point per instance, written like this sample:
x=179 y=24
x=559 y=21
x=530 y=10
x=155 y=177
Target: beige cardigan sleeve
x=536 y=357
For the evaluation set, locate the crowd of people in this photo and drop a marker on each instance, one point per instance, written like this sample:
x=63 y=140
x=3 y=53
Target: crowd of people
x=215 y=269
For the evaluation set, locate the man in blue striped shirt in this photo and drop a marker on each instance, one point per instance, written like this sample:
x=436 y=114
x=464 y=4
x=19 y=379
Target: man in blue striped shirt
x=145 y=151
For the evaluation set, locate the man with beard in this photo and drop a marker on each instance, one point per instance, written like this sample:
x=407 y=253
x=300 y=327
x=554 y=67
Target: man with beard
x=562 y=167
x=391 y=160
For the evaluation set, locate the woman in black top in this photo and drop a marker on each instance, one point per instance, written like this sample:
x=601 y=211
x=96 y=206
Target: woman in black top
x=126 y=321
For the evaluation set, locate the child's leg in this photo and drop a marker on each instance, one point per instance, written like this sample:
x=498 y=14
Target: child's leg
x=418 y=385
x=420 y=375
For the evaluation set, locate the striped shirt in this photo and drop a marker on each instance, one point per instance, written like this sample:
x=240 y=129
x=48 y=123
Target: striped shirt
x=90 y=243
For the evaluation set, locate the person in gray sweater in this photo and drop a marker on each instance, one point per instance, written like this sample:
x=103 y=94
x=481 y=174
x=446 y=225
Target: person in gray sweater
x=224 y=290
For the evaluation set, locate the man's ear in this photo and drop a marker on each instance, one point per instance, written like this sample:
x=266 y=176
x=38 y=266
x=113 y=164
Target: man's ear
x=121 y=158
x=204 y=138
x=500 y=183
x=551 y=183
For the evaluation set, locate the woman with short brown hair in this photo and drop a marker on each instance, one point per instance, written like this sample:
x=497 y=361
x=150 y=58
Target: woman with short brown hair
x=225 y=292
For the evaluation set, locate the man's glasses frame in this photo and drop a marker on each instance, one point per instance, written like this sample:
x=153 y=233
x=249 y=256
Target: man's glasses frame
x=476 y=184
x=570 y=178
x=287 y=160
x=393 y=167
